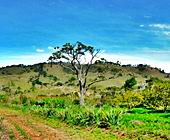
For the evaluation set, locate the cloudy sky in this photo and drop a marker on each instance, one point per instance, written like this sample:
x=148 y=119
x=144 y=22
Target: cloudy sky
x=130 y=31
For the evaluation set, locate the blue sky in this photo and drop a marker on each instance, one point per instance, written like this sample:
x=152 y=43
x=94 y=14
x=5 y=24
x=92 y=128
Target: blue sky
x=131 y=31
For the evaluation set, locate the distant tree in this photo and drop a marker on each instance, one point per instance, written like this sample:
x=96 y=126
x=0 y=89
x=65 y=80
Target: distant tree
x=39 y=68
x=78 y=58
x=130 y=83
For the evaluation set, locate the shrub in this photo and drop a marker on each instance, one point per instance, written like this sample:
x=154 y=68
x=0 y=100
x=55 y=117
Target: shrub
x=158 y=97
x=4 y=98
x=132 y=99
x=23 y=99
x=32 y=101
x=54 y=103
x=71 y=79
x=15 y=101
x=59 y=84
x=130 y=83
x=18 y=90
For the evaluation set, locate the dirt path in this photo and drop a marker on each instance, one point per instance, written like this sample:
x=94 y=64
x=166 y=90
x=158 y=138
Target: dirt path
x=21 y=127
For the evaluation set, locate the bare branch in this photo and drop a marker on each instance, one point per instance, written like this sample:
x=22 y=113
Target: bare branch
x=91 y=61
x=97 y=81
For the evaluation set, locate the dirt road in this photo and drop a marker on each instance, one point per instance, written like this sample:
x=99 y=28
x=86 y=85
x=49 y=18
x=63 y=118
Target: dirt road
x=20 y=127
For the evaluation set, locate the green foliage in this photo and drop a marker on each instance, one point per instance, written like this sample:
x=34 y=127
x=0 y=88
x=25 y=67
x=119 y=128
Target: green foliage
x=54 y=102
x=100 y=69
x=53 y=78
x=18 y=90
x=132 y=99
x=158 y=95
x=130 y=83
x=83 y=116
x=92 y=116
x=23 y=99
x=152 y=80
x=4 y=98
x=72 y=79
x=42 y=111
x=48 y=102
x=15 y=101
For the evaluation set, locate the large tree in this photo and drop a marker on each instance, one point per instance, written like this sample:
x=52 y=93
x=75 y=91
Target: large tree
x=78 y=58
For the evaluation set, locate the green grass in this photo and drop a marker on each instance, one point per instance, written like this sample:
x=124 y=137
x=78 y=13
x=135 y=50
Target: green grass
x=143 y=122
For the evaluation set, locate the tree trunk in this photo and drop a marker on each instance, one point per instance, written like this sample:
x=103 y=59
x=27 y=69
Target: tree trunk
x=82 y=93
x=81 y=98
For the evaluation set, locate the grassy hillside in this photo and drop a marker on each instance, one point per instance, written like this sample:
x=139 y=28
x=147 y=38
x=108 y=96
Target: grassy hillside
x=19 y=75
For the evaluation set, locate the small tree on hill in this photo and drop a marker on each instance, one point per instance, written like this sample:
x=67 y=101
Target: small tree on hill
x=78 y=58
x=130 y=83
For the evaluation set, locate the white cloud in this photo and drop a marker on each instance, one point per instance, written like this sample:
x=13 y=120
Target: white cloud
x=50 y=48
x=134 y=60
x=40 y=50
x=25 y=59
x=160 y=26
x=141 y=25
x=156 y=51
x=167 y=33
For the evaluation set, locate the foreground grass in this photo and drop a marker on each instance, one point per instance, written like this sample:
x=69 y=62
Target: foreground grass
x=147 y=124
x=138 y=123
x=73 y=131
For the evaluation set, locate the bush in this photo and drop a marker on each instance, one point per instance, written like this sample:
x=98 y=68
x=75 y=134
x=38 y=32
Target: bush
x=71 y=79
x=130 y=83
x=4 y=98
x=59 y=84
x=132 y=99
x=157 y=96
x=18 y=90
x=23 y=99
x=54 y=103
x=15 y=101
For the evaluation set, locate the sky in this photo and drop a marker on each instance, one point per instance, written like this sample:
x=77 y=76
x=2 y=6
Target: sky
x=131 y=31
